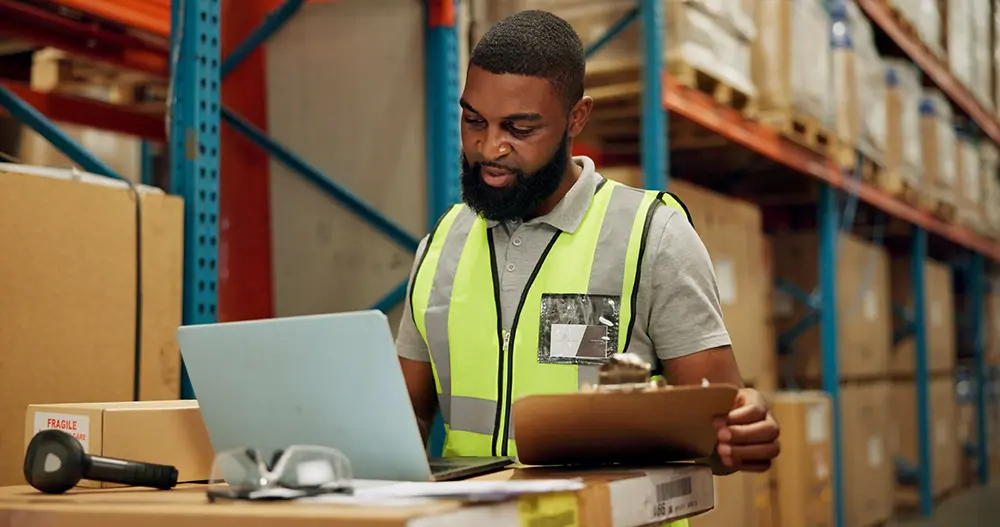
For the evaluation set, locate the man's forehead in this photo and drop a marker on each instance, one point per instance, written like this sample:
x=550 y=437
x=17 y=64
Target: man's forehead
x=502 y=94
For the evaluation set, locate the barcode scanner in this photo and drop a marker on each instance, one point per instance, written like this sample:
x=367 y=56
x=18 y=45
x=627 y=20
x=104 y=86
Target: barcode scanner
x=56 y=462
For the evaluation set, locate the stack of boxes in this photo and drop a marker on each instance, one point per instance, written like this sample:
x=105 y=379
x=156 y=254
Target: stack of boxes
x=925 y=16
x=941 y=352
x=713 y=36
x=864 y=333
x=792 y=60
x=904 y=158
x=938 y=144
x=732 y=231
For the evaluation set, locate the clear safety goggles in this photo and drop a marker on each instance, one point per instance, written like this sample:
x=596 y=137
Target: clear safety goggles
x=295 y=472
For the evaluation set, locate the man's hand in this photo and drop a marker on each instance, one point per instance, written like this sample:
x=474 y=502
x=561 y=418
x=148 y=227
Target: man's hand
x=748 y=435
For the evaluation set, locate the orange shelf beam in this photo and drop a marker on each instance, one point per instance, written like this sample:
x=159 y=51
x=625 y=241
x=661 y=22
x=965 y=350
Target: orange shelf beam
x=148 y=15
x=88 y=112
x=938 y=72
x=703 y=110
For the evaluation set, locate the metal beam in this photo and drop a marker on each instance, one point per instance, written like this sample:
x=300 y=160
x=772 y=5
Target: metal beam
x=924 y=443
x=268 y=27
x=612 y=32
x=655 y=161
x=194 y=144
x=829 y=230
x=976 y=297
x=344 y=196
x=28 y=115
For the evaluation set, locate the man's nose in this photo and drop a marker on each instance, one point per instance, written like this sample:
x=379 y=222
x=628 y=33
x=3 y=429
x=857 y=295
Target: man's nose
x=495 y=146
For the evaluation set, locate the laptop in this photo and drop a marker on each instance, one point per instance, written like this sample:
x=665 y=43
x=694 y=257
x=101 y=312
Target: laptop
x=322 y=380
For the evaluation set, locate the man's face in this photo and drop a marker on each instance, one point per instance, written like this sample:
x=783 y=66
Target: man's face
x=515 y=140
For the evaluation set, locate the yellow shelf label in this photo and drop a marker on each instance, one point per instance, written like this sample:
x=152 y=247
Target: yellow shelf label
x=549 y=510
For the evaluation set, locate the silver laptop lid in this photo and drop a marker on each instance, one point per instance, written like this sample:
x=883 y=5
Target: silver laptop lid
x=327 y=380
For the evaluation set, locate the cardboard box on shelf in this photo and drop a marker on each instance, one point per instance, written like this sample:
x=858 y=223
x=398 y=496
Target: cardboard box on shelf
x=68 y=319
x=869 y=471
x=943 y=433
x=939 y=317
x=904 y=158
x=712 y=37
x=792 y=61
x=733 y=234
x=161 y=432
x=864 y=311
x=937 y=133
x=802 y=471
x=970 y=195
x=869 y=87
x=926 y=19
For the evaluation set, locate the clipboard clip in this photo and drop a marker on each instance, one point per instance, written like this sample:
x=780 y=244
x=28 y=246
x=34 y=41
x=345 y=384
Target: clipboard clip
x=627 y=372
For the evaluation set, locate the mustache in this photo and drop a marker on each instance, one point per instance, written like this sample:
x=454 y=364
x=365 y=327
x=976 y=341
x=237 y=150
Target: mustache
x=498 y=166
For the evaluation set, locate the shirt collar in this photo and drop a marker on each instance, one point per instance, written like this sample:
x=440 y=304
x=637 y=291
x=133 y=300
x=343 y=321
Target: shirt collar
x=569 y=212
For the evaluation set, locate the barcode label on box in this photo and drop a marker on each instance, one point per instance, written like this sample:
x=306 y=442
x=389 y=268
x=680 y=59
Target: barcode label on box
x=673 y=489
x=671 y=498
x=77 y=426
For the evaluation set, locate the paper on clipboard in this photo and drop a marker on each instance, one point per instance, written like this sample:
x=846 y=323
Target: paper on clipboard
x=387 y=492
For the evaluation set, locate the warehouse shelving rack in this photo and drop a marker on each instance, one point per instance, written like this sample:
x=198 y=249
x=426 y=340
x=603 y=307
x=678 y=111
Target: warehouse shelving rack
x=662 y=93
x=197 y=113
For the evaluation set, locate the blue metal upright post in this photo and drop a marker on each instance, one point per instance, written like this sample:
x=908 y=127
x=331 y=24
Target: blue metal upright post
x=975 y=290
x=443 y=134
x=194 y=153
x=917 y=286
x=829 y=230
x=441 y=99
x=654 y=115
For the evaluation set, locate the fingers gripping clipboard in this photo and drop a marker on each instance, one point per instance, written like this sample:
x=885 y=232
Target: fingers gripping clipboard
x=646 y=424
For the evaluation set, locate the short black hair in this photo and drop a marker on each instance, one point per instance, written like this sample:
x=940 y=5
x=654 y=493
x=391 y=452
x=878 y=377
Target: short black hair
x=535 y=43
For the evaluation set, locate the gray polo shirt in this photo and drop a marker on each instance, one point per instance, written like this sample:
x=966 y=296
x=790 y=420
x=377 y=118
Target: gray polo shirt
x=677 y=309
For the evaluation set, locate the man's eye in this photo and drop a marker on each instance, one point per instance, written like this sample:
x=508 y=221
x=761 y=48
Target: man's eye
x=520 y=131
x=473 y=121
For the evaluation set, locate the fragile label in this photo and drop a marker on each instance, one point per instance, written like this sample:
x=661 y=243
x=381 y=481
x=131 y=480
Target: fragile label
x=77 y=426
x=725 y=277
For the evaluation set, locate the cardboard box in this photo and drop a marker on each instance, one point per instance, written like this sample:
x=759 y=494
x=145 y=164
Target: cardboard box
x=937 y=143
x=792 y=61
x=903 y=433
x=864 y=310
x=623 y=497
x=68 y=315
x=903 y=159
x=732 y=231
x=161 y=432
x=869 y=471
x=735 y=505
x=939 y=317
x=802 y=471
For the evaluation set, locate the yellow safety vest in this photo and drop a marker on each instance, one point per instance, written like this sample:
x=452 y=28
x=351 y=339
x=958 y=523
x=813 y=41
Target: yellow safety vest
x=480 y=367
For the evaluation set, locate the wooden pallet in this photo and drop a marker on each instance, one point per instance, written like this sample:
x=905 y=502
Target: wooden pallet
x=804 y=130
x=54 y=70
x=706 y=82
x=617 y=90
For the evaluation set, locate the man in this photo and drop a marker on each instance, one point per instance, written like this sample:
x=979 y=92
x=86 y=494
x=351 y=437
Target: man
x=544 y=251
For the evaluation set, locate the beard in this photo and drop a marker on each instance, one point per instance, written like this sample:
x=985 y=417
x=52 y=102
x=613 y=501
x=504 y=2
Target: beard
x=520 y=199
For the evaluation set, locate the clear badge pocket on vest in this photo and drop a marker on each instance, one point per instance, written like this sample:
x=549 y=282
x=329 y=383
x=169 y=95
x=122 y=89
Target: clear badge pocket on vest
x=578 y=329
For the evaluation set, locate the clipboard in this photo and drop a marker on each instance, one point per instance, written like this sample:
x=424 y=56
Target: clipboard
x=653 y=425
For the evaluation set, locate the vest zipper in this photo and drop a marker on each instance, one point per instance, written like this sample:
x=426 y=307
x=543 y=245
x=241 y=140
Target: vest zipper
x=508 y=342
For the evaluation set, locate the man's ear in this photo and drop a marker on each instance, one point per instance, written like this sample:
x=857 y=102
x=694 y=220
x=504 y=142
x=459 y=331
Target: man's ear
x=579 y=115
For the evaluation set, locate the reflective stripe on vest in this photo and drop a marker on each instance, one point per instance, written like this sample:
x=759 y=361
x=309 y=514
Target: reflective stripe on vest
x=480 y=367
